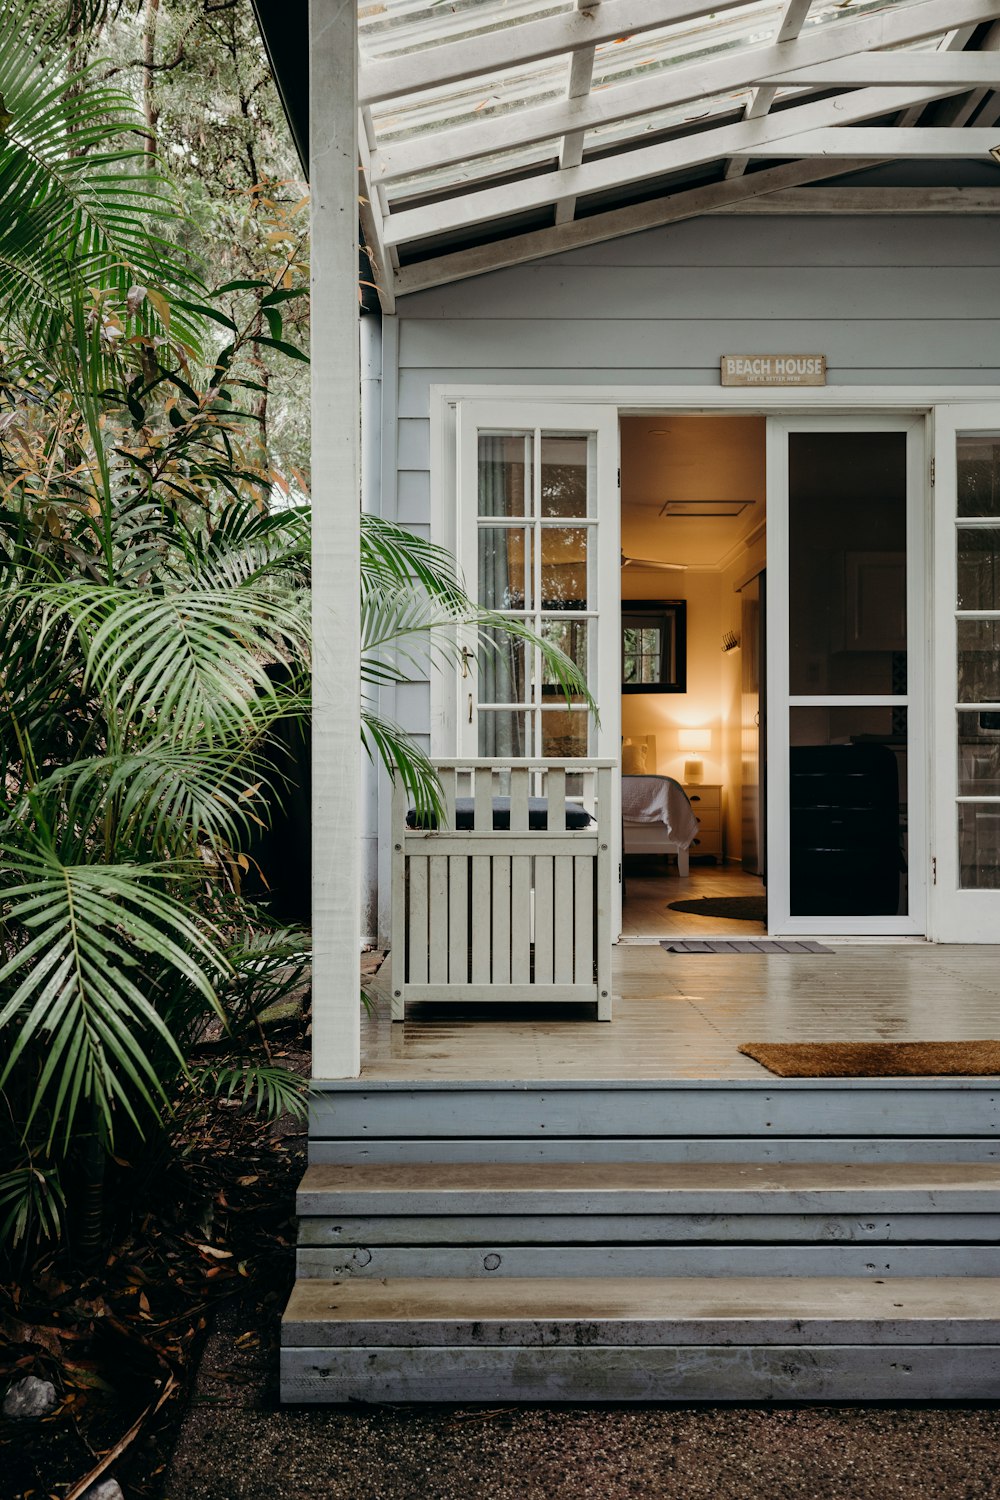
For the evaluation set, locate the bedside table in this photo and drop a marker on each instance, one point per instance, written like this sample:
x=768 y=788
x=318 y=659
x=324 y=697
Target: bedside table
x=706 y=800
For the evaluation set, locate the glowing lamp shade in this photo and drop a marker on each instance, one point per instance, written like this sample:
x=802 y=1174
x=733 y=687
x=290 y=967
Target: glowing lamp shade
x=698 y=740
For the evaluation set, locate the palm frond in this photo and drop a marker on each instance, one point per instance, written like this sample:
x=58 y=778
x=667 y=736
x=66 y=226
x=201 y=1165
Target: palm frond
x=401 y=755
x=392 y=557
x=32 y=1204
x=187 y=657
x=166 y=796
x=268 y=1090
x=84 y=215
x=71 y=990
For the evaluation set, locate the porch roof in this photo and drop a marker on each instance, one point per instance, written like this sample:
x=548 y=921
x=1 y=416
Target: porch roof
x=498 y=131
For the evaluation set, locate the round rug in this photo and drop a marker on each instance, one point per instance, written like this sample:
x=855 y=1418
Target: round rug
x=736 y=908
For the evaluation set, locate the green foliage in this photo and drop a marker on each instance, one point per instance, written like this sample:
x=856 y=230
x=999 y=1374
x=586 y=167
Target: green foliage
x=80 y=204
x=153 y=632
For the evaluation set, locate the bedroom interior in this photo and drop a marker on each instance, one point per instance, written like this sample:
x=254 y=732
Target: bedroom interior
x=693 y=529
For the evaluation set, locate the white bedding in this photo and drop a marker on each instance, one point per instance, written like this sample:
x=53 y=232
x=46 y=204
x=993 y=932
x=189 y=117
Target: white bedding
x=659 y=799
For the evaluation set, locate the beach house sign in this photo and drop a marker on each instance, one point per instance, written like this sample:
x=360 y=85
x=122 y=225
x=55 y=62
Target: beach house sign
x=774 y=369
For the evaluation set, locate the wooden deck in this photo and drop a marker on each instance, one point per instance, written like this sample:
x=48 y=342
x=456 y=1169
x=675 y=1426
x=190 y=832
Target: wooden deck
x=682 y=1016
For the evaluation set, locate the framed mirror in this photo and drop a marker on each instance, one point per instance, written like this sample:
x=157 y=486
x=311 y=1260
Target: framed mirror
x=654 y=646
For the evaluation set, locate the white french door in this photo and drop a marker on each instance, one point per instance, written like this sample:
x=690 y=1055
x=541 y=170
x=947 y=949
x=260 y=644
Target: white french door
x=965 y=905
x=538 y=540
x=846 y=741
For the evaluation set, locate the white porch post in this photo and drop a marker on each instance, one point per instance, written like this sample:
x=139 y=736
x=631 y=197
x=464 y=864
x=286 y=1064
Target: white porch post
x=333 y=167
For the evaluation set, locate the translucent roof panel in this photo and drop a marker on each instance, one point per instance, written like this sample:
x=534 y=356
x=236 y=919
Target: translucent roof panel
x=493 y=109
x=394 y=28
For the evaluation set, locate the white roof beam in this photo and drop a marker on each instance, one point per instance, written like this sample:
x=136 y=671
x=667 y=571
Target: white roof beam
x=792 y=20
x=811 y=201
x=907 y=69
x=746 y=137
x=518 y=249
x=775 y=64
x=528 y=42
x=917 y=143
x=581 y=76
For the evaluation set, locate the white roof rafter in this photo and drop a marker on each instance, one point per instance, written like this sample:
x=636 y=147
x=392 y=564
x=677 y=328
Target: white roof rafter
x=581 y=76
x=790 y=24
x=482 y=119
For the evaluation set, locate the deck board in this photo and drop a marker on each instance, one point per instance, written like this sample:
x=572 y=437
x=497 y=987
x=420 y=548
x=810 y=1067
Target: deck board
x=682 y=1016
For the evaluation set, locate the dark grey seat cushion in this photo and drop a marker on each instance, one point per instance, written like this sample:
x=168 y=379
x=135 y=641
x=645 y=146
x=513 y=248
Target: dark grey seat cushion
x=577 y=817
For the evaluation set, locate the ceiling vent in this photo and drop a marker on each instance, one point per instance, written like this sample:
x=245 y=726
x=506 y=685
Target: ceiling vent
x=705 y=507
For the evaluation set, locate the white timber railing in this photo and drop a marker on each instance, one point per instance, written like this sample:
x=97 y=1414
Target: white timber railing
x=507 y=897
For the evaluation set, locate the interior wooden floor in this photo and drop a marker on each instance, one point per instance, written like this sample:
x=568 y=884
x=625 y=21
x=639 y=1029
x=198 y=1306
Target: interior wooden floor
x=682 y=1016
x=652 y=882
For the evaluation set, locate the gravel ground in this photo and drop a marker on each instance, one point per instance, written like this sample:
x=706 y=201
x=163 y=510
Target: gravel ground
x=236 y=1444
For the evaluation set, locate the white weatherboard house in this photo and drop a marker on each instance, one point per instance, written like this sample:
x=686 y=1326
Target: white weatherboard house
x=687 y=340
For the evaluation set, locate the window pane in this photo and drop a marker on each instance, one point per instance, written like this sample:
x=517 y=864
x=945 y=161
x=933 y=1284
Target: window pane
x=505 y=473
x=502 y=732
x=504 y=578
x=979 y=568
x=564 y=567
x=565 y=732
x=572 y=637
x=979 y=846
x=979 y=753
x=847 y=562
x=848 y=812
x=978 y=661
x=642 y=654
x=565 y=474
x=979 y=474
x=501 y=669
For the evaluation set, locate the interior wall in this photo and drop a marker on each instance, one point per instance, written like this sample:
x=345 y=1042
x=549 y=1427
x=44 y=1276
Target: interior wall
x=750 y=561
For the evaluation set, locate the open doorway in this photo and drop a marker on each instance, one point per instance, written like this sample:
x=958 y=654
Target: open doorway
x=693 y=526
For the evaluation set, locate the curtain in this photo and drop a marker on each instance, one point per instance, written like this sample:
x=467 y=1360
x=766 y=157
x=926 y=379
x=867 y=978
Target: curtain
x=500 y=665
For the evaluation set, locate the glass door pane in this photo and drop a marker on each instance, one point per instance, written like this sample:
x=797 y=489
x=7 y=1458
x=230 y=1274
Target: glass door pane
x=844 y=694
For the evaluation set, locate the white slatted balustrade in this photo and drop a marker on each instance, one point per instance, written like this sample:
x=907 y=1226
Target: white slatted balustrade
x=504 y=913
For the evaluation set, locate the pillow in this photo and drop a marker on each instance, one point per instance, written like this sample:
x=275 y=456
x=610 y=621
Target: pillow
x=634 y=758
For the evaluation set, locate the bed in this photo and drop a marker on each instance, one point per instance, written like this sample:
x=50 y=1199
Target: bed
x=656 y=816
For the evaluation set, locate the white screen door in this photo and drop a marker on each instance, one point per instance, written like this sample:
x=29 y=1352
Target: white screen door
x=846 y=742
x=965 y=904
x=538 y=539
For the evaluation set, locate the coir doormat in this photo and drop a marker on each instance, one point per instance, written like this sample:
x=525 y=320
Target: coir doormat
x=876 y=1059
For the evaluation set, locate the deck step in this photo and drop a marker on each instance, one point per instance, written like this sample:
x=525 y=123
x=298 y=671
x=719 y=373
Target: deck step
x=648 y=1188
x=645 y=1219
x=642 y=1339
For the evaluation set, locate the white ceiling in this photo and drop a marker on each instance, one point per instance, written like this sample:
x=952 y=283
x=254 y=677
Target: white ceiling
x=690 y=458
